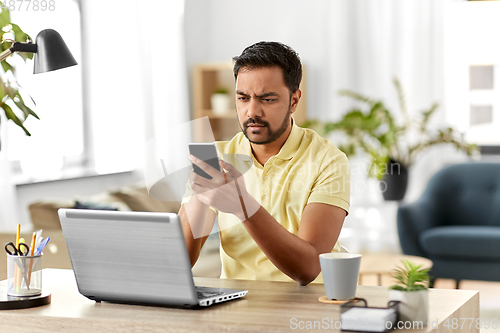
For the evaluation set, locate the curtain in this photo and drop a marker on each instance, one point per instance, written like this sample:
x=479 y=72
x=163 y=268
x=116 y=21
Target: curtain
x=8 y=198
x=372 y=41
x=165 y=88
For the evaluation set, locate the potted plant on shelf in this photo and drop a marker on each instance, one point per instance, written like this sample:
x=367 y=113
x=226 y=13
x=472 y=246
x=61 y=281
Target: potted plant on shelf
x=393 y=147
x=412 y=292
x=220 y=101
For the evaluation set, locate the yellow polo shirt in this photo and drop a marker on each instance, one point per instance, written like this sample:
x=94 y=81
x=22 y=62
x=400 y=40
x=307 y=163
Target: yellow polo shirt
x=307 y=169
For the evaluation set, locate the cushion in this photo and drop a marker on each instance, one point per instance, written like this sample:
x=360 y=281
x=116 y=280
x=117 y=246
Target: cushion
x=462 y=242
x=467 y=194
x=138 y=199
x=92 y=205
x=43 y=213
x=135 y=197
x=103 y=200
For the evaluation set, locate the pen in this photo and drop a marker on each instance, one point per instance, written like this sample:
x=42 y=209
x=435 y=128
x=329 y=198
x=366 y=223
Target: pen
x=17 y=281
x=33 y=242
x=38 y=237
x=42 y=245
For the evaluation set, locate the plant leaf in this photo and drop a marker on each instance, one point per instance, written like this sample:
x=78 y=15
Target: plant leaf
x=396 y=287
x=427 y=115
x=27 y=110
x=11 y=115
x=4 y=15
x=2 y=91
x=356 y=96
x=401 y=99
x=411 y=277
x=7 y=67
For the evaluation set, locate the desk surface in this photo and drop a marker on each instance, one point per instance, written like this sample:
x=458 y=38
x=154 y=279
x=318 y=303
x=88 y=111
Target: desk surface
x=269 y=306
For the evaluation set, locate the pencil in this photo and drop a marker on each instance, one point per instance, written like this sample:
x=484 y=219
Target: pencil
x=18 y=235
x=33 y=242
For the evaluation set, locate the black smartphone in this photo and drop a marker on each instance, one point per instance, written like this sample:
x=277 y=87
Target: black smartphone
x=206 y=152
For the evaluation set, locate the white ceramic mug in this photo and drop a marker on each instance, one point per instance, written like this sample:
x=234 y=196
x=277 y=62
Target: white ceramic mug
x=340 y=274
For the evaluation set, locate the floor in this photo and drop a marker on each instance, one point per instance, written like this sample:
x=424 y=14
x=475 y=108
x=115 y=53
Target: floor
x=489 y=300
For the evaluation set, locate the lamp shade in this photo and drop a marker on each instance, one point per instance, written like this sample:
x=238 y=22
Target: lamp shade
x=52 y=52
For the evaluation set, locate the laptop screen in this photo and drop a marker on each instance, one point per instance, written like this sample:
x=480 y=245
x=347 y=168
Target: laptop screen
x=132 y=257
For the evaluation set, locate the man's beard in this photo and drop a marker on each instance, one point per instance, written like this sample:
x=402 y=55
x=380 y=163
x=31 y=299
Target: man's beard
x=273 y=135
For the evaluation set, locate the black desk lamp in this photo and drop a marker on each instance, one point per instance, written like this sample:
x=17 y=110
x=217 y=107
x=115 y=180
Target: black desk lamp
x=50 y=49
x=51 y=53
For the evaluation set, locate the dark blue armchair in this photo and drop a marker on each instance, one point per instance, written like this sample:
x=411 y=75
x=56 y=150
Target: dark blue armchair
x=456 y=223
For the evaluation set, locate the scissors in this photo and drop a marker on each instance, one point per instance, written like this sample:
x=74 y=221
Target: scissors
x=23 y=249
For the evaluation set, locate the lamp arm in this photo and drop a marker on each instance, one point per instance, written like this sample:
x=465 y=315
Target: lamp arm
x=5 y=54
x=24 y=47
x=18 y=47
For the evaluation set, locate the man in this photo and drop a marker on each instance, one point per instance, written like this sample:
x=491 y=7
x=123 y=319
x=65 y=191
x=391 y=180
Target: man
x=289 y=207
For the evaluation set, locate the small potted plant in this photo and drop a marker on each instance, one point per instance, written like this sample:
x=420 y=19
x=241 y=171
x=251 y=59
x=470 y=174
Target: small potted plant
x=220 y=101
x=412 y=291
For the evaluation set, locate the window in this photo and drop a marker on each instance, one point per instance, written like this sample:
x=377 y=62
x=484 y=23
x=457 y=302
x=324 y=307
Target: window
x=57 y=138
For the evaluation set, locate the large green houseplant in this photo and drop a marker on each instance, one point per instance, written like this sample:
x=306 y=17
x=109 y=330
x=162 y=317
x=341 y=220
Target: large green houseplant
x=11 y=100
x=376 y=132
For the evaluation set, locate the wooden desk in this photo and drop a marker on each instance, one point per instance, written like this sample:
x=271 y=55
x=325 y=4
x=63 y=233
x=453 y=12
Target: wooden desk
x=268 y=307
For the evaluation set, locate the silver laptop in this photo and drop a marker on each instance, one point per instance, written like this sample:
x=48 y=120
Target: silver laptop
x=134 y=258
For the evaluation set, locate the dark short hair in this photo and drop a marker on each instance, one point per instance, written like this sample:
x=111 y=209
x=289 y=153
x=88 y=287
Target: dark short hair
x=271 y=54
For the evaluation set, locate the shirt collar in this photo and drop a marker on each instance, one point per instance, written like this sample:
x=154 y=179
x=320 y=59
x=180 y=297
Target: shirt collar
x=291 y=145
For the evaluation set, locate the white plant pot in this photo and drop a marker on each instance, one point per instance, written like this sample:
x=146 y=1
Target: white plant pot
x=414 y=305
x=220 y=104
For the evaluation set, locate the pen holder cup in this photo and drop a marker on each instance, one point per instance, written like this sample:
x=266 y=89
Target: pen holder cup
x=24 y=275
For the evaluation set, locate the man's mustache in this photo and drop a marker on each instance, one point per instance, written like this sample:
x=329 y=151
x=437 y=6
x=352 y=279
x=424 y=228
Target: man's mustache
x=255 y=122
